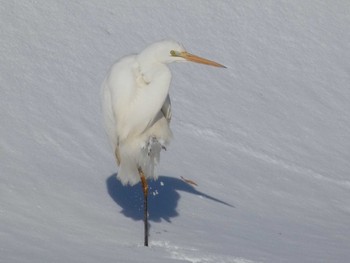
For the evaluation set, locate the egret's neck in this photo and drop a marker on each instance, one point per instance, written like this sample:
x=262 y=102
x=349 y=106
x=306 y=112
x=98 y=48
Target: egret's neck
x=150 y=94
x=156 y=78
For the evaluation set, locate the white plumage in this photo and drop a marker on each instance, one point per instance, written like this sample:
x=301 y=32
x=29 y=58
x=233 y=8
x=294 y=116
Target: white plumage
x=137 y=107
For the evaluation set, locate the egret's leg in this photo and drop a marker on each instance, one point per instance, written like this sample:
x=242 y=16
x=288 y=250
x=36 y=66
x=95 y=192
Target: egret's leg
x=145 y=203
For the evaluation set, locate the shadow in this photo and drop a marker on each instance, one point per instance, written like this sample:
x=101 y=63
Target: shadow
x=162 y=198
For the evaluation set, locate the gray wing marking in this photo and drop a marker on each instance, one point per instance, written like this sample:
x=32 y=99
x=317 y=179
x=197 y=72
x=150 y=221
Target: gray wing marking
x=166 y=108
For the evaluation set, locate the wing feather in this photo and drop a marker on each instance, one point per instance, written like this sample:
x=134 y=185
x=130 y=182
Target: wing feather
x=166 y=109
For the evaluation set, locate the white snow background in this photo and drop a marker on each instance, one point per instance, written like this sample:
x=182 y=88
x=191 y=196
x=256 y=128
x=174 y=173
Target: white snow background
x=267 y=140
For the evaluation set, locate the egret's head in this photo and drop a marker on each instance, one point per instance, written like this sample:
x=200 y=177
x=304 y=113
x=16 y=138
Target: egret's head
x=168 y=51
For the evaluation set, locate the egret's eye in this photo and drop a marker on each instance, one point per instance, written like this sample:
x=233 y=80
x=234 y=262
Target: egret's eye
x=174 y=53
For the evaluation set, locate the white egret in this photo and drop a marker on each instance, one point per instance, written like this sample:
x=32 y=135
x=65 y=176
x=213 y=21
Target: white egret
x=137 y=111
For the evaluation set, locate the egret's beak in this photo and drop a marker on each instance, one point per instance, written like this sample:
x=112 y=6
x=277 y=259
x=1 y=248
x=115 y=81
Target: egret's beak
x=194 y=58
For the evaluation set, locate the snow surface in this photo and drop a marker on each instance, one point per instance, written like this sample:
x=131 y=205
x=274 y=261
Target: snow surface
x=267 y=140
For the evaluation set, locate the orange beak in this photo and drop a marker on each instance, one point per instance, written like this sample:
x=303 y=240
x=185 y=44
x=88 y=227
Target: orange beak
x=194 y=58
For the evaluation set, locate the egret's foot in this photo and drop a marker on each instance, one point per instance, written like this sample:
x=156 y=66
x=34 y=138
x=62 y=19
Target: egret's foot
x=153 y=141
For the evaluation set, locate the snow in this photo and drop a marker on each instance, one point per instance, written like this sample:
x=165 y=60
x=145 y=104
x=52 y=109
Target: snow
x=267 y=140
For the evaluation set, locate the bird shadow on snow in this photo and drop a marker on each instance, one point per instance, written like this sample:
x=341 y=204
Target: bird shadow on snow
x=163 y=197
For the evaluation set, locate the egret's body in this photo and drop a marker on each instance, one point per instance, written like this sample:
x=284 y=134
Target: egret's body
x=134 y=93
x=137 y=109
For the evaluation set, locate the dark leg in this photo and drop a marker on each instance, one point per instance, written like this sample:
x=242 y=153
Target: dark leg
x=145 y=203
